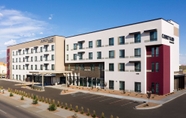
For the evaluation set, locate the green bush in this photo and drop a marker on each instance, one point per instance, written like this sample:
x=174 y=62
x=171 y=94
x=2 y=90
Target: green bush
x=76 y=110
x=52 y=107
x=11 y=94
x=94 y=114
x=82 y=110
x=88 y=112
x=35 y=101
x=22 y=98
x=102 y=115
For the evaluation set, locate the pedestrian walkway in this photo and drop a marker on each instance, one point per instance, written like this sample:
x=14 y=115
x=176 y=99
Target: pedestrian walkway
x=40 y=109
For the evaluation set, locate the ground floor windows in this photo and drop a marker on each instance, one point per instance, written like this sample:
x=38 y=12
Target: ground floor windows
x=137 y=86
x=121 y=85
x=157 y=88
x=111 y=84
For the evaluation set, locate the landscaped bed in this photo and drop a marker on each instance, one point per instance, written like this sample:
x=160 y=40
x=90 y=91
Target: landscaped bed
x=147 y=105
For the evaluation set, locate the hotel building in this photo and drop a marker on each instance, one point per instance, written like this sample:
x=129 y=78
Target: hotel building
x=138 y=57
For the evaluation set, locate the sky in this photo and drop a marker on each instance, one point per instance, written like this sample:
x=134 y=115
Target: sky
x=25 y=20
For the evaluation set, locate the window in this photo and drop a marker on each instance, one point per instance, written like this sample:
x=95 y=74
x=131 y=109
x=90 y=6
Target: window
x=26 y=51
x=46 y=48
x=98 y=55
x=31 y=67
x=153 y=36
x=80 y=45
x=137 y=38
x=80 y=56
x=67 y=57
x=92 y=67
x=100 y=67
x=157 y=51
x=31 y=50
x=16 y=59
x=152 y=51
x=13 y=53
x=111 y=41
x=52 y=47
x=27 y=67
x=23 y=59
x=137 y=67
x=137 y=52
x=19 y=59
x=76 y=66
x=23 y=67
x=16 y=67
x=90 y=44
x=157 y=67
x=121 y=40
x=13 y=59
x=23 y=51
x=98 y=43
x=69 y=67
x=152 y=67
x=35 y=67
x=46 y=66
x=121 y=66
x=46 y=57
x=121 y=53
x=90 y=55
x=31 y=59
x=111 y=67
x=157 y=88
x=111 y=54
x=19 y=67
x=41 y=49
x=41 y=58
x=13 y=66
x=75 y=46
x=35 y=58
x=41 y=67
x=52 y=57
x=137 y=87
x=121 y=85
x=111 y=84
x=67 y=48
x=75 y=57
x=35 y=50
x=82 y=66
x=52 y=66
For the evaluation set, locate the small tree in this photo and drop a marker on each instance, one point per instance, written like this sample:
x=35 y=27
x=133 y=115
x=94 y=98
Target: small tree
x=76 y=110
x=111 y=116
x=52 y=107
x=35 y=101
x=70 y=107
x=66 y=106
x=11 y=94
x=102 y=115
x=22 y=98
x=58 y=103
x=82 y=110
x=88 y=112
x=94 y=114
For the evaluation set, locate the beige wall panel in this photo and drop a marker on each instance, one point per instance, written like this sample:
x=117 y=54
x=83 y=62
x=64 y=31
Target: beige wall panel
x=176 y=31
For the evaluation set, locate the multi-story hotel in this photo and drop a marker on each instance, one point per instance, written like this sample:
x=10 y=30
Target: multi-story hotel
x=138 y=57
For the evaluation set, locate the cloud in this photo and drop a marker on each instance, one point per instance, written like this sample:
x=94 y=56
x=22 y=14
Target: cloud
x=17 y=26
x=40 y=32
x=10 y=42
x=50 y=17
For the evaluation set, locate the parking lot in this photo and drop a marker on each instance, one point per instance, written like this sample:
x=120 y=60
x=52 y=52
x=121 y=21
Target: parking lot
x=117 y=107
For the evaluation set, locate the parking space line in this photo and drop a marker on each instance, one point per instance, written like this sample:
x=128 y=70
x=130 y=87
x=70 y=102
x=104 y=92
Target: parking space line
x=97 y=98
x=106 y=99
x=89 y=96
x=116 y=101
x=126 y=104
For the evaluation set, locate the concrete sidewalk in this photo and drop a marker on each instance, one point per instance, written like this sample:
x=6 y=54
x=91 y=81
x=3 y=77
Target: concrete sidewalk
x=40 y=109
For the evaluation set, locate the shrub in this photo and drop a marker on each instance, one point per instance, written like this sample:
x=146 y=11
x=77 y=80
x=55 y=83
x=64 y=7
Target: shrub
x=61 y=104
x=82 y=110
x=94 y=114
x=117 y=117
x=35 y=101
x=70 y=107
x=76 y=110
x=66 y=106
x=33 y=96
x=102 y=115
x=11 y=94
x=88 y=112
x=52 y=107
x=58 y=103
x=111 y=116
x=22 y=98
x=46 y=100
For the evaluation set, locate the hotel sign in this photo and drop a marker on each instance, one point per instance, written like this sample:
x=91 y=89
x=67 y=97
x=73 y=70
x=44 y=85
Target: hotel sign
x=171 y=39
x=47 y=40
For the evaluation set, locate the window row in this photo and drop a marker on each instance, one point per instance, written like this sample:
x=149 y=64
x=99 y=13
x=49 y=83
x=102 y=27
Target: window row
x=82 y=67
x=32 y=67
x=154 y=67
x=33 y=50
x=121 y=40
x=35 y=58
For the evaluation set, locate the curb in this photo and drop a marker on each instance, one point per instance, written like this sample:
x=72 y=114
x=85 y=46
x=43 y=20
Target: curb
x=148 y=107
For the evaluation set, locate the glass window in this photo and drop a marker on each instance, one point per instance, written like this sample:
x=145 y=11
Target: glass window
x=23 y=67
x=111 y=54
x=122 y=40
x=41 y=49
x=121 y=53
x=31 y=59
x=75 y=46
x=90 y=44
x=121 y=66
x=52 y=66
x=152 y=51
x=80 y=56
x=111 y=84
x=111 y=66
x=153 y=36
x=23 y=51
x=46 y=66
x=157 y=51
x=137 y=38
x=41 y=58
x=98 y=43
x=92 y=67
x=35 y=67
x=157 y=67
x=100 y=67
x=121 y=85
x=35 y=58
x=82 y=66
x=98 y=55
x=75 y=57
x=52 y=47
x=76 y=66
x=67 y=48
x=111 y=41
x=46 y=48
x=35 y=50
x=137 y=52
x=52 y=57
x=152 y=67
x=31 y=67
x=67 y=57
x=137 y=66
x=137 y=87
x=41 y=67
x=19 y=59
x=90 y=55
x=157 y=88
x=46 y=57
x=31 y=50
x=80 y=45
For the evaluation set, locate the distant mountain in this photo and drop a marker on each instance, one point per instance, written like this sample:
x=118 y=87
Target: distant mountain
x=3 y=59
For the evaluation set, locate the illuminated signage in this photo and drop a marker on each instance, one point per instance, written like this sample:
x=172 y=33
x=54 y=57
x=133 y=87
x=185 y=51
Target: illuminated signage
x=48 y=40
x=171 y=39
